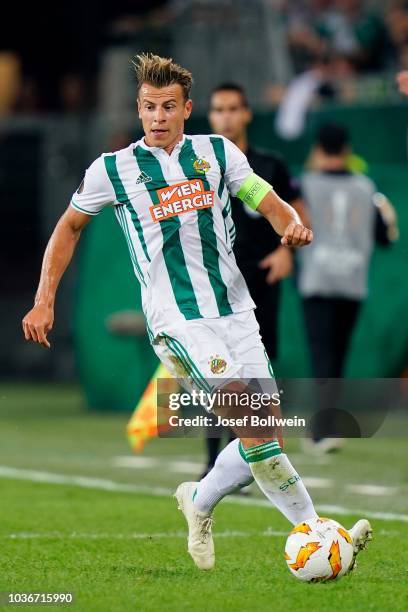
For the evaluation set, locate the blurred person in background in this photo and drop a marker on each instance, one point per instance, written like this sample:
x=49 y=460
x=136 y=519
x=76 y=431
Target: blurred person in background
x=303 y=38
x=348 y=216
x=396 y=19
x=259 y=254
x=397 y=22
x=357 y=33
x=340 y=27
x=317 y=83
x=402 y=82
x=330 y=42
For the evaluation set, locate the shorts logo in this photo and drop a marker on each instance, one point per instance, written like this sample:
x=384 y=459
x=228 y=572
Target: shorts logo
x=181 y=198
x=217 y=365
x=201 y=166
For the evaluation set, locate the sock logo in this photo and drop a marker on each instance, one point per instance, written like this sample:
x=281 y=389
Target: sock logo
x=290 y=481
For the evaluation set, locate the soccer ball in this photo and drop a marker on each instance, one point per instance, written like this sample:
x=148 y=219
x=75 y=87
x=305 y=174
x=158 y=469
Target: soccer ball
x=319 y=549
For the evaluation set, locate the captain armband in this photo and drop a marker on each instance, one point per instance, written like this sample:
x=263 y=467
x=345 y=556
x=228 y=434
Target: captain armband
x=253 y=191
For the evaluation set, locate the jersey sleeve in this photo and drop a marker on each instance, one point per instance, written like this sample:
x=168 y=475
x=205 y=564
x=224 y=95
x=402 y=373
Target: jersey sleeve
x=237 y=168
x=95 y=191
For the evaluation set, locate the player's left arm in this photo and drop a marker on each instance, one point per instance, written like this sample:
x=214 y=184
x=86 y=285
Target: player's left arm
x=285 y=220
x=260 y=196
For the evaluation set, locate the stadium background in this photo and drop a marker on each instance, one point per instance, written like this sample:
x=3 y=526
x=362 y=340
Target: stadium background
x=67 y=94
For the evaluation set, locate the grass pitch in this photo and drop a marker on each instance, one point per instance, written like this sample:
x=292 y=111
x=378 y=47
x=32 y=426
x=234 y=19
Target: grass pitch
x=120 y=550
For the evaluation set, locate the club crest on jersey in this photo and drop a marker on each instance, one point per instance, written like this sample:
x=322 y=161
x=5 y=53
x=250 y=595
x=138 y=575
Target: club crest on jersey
x=180 y=199
x=201 y=165
x=217 y=365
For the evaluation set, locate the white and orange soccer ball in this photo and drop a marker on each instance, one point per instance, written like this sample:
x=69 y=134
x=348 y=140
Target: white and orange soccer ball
x=319 y=549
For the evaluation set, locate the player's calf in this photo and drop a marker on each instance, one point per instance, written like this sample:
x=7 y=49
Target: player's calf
x=278 y=479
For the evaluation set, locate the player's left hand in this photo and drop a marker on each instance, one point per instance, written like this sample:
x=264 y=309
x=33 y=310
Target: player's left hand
x=297 y=235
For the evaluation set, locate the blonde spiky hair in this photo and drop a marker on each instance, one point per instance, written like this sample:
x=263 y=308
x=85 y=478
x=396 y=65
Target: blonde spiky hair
x=161 y=72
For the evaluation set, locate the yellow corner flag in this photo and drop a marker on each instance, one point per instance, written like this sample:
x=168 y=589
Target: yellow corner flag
x=145 y=422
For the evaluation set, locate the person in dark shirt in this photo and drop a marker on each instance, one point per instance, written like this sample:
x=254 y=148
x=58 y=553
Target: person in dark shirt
x=260 y=256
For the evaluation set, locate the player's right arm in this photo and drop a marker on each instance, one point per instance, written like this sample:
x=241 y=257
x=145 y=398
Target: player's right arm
x=94 y=193
x=60 y=249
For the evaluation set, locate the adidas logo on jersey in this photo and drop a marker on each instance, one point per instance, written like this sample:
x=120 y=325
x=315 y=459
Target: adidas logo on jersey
x=143 y=178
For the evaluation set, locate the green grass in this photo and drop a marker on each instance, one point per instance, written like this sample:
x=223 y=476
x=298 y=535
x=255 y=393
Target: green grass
x=96 y=543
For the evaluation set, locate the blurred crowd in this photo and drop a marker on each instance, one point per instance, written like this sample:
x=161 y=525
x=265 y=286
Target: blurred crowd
x=354 y=35
x=65 y=60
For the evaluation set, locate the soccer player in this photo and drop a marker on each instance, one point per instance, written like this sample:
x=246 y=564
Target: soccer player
x=170 y=193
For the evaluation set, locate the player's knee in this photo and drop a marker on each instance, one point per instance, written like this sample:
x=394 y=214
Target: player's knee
x=250 y=442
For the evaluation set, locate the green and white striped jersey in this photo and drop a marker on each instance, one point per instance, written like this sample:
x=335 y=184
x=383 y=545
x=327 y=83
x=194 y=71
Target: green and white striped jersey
x=175 y=212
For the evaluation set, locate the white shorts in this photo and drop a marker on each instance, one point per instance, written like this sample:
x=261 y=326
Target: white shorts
x=207 y=353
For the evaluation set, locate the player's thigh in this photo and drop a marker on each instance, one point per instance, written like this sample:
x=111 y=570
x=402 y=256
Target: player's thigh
x=247 y=347
x=197 y=354
x=257 y=372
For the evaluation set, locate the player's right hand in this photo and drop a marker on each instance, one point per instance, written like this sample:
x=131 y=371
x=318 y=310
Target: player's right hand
x=37 y=323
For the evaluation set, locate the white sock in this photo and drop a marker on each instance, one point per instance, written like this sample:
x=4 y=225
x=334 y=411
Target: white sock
x=230 y=472
x=279 y=481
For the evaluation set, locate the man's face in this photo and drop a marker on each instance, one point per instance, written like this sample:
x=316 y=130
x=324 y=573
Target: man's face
x=228 y=115
x=163 y=112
